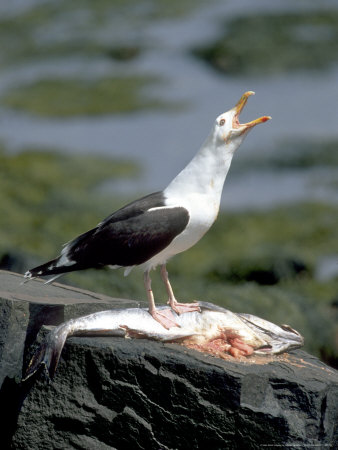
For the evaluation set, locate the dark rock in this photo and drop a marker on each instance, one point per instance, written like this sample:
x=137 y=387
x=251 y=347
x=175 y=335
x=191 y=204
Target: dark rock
x=137 y=394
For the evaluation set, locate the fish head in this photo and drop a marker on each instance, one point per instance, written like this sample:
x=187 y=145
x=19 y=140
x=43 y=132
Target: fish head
x=278 y=339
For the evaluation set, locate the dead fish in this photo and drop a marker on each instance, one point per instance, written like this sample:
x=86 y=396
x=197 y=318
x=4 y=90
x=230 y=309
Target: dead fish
x=214 y=330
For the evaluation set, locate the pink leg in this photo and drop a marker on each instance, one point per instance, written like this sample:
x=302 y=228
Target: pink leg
x=179 y=308
x=164 y=317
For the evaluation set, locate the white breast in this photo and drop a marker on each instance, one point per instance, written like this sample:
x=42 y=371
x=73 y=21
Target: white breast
x=198 y=188
x=202 y=214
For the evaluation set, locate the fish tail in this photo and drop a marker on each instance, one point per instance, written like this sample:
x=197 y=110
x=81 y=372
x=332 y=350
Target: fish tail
x=48 y=354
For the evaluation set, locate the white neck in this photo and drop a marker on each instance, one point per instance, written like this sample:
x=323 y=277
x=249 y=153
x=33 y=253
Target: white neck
x=205 y=174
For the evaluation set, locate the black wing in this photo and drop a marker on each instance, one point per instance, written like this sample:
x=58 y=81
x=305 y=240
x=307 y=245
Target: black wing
x=137 y=207
x=128 y=237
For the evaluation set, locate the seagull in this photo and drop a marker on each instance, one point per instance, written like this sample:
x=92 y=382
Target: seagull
x=150 y=231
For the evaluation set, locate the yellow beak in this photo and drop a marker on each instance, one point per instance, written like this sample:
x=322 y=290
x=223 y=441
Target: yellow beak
x=238 y=108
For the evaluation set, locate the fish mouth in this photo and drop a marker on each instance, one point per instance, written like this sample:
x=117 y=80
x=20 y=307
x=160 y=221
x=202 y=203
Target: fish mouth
x=238 y=108
x=282 y=338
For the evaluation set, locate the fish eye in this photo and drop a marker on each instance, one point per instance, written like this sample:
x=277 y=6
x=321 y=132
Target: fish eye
x=221 y=122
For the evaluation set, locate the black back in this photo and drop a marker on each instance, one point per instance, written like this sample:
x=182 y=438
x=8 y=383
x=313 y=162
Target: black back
x=131 y=235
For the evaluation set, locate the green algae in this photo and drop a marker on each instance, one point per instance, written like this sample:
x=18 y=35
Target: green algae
x=46 y=196
x=74 y=97
x=83 y=28
x=275 y=43
x=293 y=154
x=84 y=33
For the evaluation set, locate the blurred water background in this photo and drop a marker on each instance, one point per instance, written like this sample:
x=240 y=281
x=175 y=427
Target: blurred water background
x=131 y=88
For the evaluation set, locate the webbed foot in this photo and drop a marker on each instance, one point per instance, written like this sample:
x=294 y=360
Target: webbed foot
x=165 y=317
x=181 y=308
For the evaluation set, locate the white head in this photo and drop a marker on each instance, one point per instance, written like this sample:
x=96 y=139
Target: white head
x=227 y=129
x=210 y=165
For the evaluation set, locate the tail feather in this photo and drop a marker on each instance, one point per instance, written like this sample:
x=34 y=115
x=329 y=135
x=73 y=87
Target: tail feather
x=53 y=267
x=76 y=255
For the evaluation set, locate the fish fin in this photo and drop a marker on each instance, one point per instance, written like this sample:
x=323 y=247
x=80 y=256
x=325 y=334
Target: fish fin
x=39 y=358
x=48 y=354
x=133 y=333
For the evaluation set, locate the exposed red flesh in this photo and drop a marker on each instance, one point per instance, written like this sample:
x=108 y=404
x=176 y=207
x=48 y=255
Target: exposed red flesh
x=222 y=346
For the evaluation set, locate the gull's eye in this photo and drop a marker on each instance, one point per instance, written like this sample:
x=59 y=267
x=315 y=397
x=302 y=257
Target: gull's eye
x=221 y=122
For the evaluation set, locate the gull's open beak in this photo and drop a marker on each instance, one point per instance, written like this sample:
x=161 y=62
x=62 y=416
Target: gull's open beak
x=238 y=108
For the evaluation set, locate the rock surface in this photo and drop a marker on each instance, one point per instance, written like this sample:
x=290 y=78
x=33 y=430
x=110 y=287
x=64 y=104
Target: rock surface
x=137 y=394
